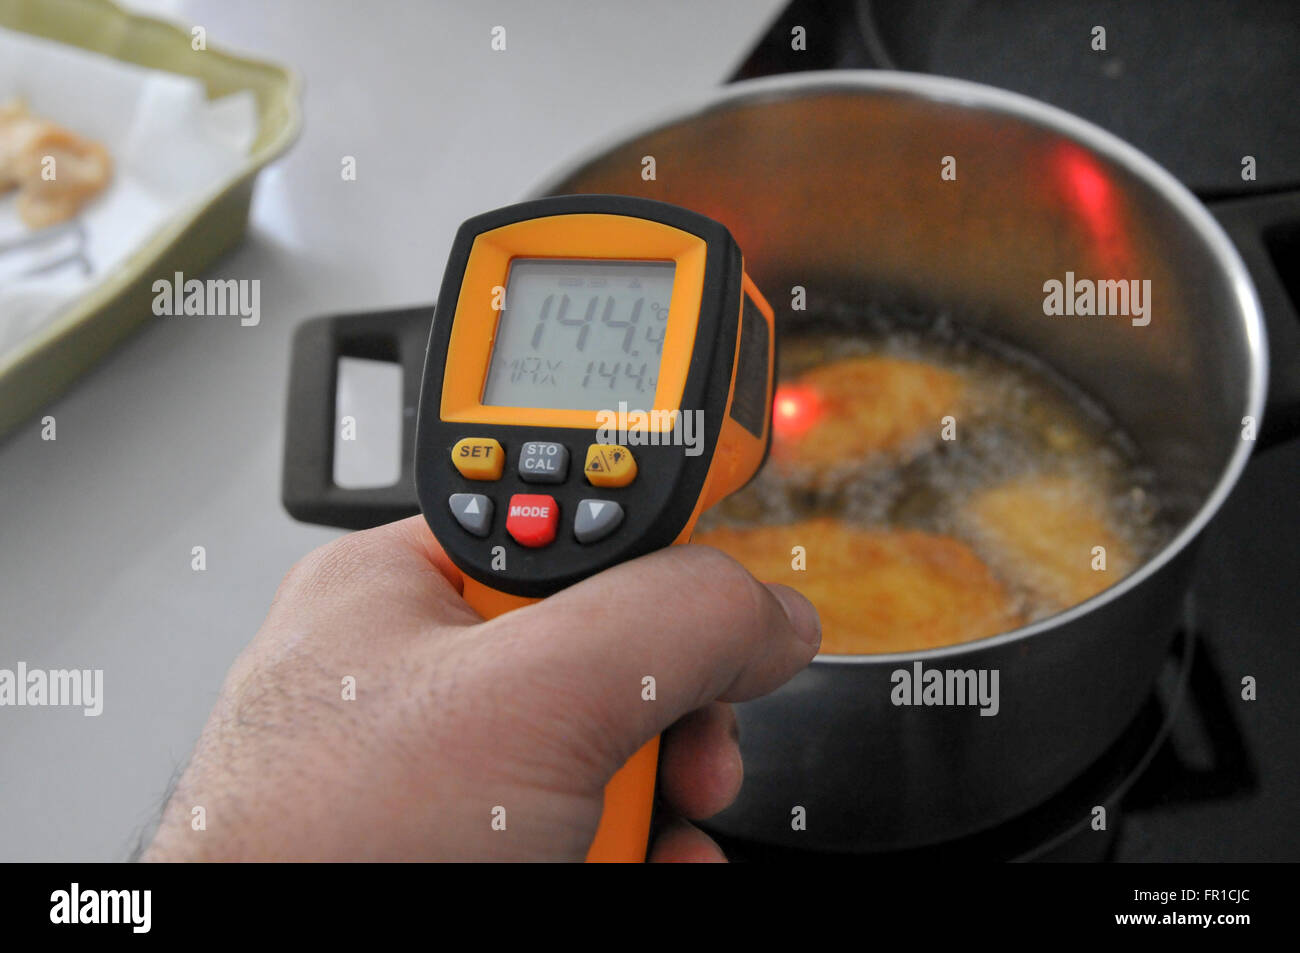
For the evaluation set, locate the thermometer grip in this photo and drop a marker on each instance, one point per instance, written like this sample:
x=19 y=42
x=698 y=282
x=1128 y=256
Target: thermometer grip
x=624 y=832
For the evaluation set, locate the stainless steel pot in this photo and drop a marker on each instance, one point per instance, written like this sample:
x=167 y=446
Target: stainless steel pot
x=832 y=182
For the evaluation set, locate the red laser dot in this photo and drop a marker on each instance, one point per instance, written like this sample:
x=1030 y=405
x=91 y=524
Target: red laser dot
x=794 y=410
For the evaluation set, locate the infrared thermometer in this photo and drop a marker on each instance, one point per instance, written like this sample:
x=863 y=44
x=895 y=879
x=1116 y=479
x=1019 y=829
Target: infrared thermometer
x=599 y=372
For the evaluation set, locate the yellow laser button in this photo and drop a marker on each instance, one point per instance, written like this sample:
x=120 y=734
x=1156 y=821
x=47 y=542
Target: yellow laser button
x=478 y=458
x=609 y=465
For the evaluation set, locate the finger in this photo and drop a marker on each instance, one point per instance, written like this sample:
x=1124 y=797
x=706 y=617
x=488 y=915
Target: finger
x=414 y=534
x=700 y=771
x=398 y=567
x=633 y=649
x=683 y=843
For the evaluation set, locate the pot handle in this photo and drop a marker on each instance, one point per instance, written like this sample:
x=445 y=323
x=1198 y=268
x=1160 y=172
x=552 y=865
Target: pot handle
x=308 y=490
x=1266 y=231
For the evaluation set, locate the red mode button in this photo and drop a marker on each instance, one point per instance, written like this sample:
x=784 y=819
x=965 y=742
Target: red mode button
x=532 y=519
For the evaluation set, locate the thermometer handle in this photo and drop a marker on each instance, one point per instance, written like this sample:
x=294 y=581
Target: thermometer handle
x=623 y=836
x=624 y=832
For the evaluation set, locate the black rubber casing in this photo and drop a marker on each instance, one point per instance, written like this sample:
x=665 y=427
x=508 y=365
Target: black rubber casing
x=658 y=504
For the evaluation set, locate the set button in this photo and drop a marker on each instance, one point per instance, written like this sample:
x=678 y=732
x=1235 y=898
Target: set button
x=542 y=462
x=479 y=458
x=532 y=519
x=609 y=465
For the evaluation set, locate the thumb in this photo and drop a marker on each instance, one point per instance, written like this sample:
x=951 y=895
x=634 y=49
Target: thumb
x=660 y=636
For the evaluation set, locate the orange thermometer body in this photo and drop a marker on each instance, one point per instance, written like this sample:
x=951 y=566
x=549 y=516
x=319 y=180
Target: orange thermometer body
x=599 y=372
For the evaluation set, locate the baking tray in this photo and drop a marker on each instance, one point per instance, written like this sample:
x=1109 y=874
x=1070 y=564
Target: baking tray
x=45 y=364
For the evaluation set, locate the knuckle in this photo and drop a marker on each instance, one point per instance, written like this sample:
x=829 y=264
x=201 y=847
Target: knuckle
x=716 y=565
x=324 y=568
x=734 y=582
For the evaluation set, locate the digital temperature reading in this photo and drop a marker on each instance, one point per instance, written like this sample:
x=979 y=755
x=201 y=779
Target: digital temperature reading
x=580 y=334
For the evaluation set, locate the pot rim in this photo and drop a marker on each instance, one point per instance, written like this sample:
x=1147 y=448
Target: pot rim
x=981 y=97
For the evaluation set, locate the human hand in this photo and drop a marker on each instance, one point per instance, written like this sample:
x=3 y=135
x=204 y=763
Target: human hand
x=454 y=717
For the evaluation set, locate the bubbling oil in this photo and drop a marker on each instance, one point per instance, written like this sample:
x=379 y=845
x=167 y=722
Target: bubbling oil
x=1023 y=468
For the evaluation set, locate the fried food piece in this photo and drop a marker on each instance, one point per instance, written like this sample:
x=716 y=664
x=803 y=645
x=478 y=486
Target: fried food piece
x=877 y=590
x=854 y=408
x=56 y=171
x=1041 y=530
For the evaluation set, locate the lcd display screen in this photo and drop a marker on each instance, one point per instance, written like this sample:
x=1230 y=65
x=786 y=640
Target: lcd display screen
x=580 y=334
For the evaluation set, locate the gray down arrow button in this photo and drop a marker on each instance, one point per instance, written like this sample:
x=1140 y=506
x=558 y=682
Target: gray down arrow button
x=596 y=519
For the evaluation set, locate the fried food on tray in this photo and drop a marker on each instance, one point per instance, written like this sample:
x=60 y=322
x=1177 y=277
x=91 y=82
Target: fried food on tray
x=853 y=408
x=1041 y=530
x=877 y=590
x=55 y=170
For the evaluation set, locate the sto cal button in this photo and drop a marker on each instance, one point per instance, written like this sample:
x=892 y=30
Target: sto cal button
x=532 y=518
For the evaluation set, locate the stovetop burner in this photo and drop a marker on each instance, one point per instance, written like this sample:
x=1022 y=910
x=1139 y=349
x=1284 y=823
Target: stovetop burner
x=1080 y=823
x=1194 y=85
x=1228 y=787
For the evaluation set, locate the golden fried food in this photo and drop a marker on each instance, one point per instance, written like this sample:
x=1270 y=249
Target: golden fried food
x=1042 y=530
x=56 y=171
x=850 y=409
x=877 y=591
